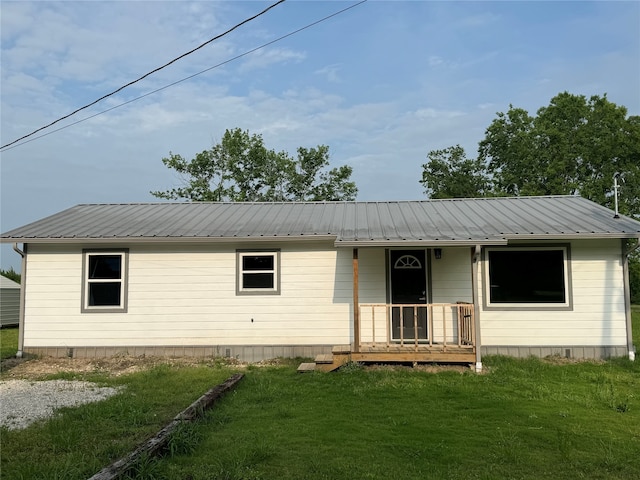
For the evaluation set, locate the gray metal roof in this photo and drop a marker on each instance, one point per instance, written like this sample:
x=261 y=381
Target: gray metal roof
x=427 y=222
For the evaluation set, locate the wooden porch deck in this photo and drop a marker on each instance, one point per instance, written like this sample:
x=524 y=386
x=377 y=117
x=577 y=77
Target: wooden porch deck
x=343 y=354
x=451 y=338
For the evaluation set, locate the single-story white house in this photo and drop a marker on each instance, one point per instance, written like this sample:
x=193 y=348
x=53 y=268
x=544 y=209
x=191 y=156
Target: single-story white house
x=433 y=280
x=9 y=302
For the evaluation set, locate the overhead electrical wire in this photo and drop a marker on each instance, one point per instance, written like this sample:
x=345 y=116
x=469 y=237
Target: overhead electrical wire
x=248 y=52
x=147 y=74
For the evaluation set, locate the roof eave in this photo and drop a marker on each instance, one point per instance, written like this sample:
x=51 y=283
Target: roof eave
x=419 y=243
x=316 y=237
x=485 y=241
x=574 y=236
x=121 y=240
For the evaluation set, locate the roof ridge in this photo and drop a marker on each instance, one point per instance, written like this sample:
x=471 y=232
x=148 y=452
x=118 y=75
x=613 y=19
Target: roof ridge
x=334 y=202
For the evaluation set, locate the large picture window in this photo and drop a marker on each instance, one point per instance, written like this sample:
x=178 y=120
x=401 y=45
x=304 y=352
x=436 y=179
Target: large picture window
x=258 y=272
x=528 y=277
x=104 y=281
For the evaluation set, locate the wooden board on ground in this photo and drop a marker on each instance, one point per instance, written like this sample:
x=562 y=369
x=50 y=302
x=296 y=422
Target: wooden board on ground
x=155 y=444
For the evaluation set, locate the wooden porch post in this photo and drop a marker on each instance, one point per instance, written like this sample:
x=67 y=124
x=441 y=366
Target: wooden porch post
x=476 y=305
x=356 y=304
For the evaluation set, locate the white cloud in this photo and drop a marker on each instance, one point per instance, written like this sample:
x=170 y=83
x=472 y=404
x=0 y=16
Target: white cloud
x=435 y=61
x=264 y=58
x=434 y=113
x=330 y=72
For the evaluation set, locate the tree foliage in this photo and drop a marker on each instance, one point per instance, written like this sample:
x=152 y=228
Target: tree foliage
x=450 y=174
x=10 y=274
x=573 y=146
x=241 y=169
x=634 y=277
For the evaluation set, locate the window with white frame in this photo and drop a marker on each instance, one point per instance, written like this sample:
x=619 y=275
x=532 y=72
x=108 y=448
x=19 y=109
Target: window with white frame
x=528 y=277
x=104 y=281
x=258 y=272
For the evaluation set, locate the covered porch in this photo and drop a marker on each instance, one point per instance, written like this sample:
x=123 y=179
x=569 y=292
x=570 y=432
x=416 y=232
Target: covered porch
x=410 y=327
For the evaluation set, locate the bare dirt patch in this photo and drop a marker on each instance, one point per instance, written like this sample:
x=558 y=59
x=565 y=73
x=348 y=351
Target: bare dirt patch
x=558 y=360
x=38 y=368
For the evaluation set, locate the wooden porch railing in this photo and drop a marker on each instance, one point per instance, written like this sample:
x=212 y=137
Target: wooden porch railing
x=417 y=325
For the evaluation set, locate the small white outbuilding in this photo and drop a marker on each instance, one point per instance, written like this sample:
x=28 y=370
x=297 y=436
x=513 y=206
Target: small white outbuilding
x=9 y=302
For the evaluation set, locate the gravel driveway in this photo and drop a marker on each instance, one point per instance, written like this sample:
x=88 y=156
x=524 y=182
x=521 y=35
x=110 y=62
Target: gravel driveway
x=22 y=402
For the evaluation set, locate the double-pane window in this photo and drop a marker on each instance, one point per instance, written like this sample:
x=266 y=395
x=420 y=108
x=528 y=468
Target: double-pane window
x=258 y=272
x=104 y=281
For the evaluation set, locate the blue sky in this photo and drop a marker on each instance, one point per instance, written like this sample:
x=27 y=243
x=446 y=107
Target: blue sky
x=381 y=84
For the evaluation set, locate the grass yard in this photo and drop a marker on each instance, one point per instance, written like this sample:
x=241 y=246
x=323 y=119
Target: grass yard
x=80 y=441
x=8 y=342
x=523 y=419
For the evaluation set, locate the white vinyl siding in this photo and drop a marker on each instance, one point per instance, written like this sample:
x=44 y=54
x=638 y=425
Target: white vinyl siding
x=450 y=283
x=598 y=315
x=451 y=276
x=185 y=295
x=372 y=289
x=372 y=275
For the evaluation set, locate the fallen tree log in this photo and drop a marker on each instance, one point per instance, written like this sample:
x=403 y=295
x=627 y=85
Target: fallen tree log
x=156 y=443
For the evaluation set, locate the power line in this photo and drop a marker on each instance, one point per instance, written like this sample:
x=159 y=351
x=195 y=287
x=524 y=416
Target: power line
x=248 y=52
x=147 y=74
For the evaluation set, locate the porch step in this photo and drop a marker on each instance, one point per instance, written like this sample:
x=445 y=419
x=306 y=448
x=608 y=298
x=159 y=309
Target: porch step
x=332 y=362
x=306 y=367
x=324 y=358
x=338 y=349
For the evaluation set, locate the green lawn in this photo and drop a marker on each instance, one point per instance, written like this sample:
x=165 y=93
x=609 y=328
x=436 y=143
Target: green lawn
x=8 y=342
x=523 y=419
x=526 y=419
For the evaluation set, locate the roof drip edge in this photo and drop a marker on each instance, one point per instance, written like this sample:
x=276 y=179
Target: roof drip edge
x=418 y=243
x=120 y=240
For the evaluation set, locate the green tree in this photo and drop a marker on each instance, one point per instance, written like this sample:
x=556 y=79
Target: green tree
x=575 y=145
x=10 y=274
x=450 y=174
x=634 y=277
x=241 y=169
